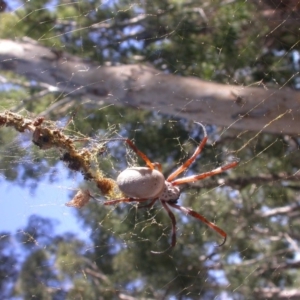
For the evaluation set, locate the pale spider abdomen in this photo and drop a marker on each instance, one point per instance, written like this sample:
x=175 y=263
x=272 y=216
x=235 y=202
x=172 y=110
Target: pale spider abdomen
x=141 y=182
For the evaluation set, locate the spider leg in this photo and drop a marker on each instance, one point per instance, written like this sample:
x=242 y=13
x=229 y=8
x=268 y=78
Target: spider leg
x=158 y=166
x=142 y=155
x=201 y=176
x=172 y=217
x=194 y=214
x=123 y=200
x=185 y=165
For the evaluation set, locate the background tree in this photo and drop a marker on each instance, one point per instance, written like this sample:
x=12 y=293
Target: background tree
x=57 y=68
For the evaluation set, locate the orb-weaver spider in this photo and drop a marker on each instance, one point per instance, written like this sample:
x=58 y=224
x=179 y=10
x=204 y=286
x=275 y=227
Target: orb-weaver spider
x=140 y=184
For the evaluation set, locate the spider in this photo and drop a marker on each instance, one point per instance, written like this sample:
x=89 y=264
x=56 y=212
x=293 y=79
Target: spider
x=140 y=184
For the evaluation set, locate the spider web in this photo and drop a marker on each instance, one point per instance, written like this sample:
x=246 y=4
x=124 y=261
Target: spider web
x=54 y=251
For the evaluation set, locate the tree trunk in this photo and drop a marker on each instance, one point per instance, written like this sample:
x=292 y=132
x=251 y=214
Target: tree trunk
x=143 y=87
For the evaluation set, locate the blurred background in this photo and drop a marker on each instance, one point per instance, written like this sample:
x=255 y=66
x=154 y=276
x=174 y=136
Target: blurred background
x=51 y=251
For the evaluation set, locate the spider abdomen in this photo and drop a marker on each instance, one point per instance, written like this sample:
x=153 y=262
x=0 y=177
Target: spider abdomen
x=141 y=182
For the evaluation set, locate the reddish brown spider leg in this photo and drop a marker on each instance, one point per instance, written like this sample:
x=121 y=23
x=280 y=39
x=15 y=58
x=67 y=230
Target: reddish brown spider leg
x=140 y=154
x=172 y=217
x=205 y=175
x=157 y=166
x=185 y=165
x=203 y=219
x=135 y=149
x=144 y=156
x=123 y=200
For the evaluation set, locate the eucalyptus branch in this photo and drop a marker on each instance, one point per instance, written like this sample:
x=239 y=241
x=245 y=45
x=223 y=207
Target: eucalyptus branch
x=143 y=87
x=283 y=210
x=276 y=293
x=292 y=242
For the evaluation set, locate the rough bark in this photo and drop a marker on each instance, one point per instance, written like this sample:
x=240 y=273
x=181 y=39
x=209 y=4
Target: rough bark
x=143 y=87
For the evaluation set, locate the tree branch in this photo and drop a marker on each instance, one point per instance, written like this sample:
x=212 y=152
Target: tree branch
x=279 y=210
x=46 y=136
x=278 y=294
x=142 y=87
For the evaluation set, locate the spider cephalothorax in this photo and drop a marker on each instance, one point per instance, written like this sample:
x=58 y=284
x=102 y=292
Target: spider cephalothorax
x=140 y=184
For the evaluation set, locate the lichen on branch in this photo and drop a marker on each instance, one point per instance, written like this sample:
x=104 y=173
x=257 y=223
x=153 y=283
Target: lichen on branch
x=46 y=135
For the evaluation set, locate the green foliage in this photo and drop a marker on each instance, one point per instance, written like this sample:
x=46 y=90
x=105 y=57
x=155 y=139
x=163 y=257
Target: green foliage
x=8 y=265
x=257 y=203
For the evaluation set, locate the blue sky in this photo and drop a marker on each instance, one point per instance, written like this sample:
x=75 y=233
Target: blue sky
x=48 y=200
